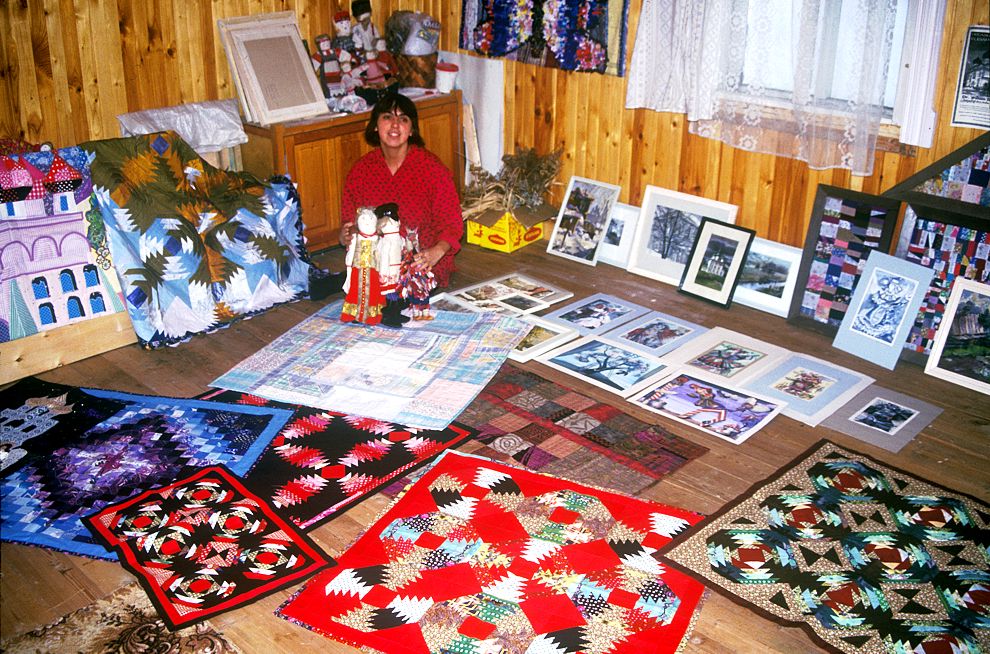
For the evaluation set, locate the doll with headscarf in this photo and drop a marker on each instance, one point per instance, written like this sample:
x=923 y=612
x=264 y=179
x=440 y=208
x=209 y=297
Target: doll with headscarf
x=363 y=300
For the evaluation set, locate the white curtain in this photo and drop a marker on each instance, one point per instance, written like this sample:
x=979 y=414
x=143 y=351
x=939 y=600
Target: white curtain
x=723 y=63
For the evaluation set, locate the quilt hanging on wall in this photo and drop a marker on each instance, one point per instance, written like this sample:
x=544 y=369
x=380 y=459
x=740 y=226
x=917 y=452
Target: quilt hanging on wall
x=195 y=247
x=55 y=266
x=581 y=35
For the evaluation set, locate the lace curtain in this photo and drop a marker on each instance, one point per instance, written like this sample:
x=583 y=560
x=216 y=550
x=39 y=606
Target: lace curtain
x=711 y=60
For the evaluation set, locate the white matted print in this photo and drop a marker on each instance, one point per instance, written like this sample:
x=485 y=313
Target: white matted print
x=617 y=243
x=511 y=284
x=768 y=277
x=961 y=349
x=666 y=230
x=655 y=333
x=543 y=336
x=604 y=363
x=882 y=417
x=582 y=220
x=596 y=314
x=723 y=353
x=447 y=302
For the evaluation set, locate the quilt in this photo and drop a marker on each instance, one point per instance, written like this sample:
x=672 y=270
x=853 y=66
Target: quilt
x=864 y=557
x=204 y=545
x=149 y=442
x=322 y=461
x=422 y=375
x=195 y=247
x=478 y=556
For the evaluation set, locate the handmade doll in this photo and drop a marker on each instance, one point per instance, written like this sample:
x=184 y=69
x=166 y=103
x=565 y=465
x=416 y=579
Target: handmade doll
x=415 y=283
x=390 y=263
x=364 y=33
x=363 y=294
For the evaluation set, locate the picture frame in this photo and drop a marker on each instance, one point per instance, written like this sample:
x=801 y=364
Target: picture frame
x=768 y=277
x=717 y=257
x=655 y=333
x=961 y=350
x=707 y=404
x=882 y=417
x=971 y=107
x=883 y=309
x=727 y=355
x=582 y=219
x=604 y=363
x=596 y=313
x=619 y=233
x=667 y=229
x=846 y=226
x=516 y=283
x=542 y=337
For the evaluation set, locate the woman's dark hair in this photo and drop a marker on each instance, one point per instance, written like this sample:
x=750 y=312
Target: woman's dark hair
x=392 y=102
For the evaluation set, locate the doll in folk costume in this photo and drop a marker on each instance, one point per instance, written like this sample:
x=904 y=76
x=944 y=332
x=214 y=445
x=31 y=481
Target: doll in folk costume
x=390 y=263
x=363 y=299
x=415 y=283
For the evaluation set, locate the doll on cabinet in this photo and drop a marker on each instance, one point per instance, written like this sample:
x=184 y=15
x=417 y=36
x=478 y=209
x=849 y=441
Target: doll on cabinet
x=363 y=300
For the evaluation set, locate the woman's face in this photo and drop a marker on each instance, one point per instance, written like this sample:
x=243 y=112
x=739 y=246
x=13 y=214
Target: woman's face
x=394 y=128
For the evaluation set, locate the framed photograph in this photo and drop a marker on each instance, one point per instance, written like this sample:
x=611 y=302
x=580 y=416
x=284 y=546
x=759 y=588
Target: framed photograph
x=667 y=229
x=582 y=220
x=768 y=277
x=604 y=363
x=596 y=314
x=882 y=417
x=655 y=333
x=846 y=226
x=617 y=242
x=707 y=404
x=716 y=260
x=961 y=351
x=543 y=336
x=883 y=308
x=972 y=105
x=813 y=389
x=724 y=354
x=515 y=283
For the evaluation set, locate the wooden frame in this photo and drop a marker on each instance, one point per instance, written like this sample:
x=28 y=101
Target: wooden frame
x=951 y=361
x=582 y=220
x=717 y=257
x=772 y=267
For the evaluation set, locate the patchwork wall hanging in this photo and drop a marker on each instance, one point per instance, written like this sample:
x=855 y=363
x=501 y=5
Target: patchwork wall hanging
x=149 y=442
x=479 y=556
x=862 y=556
x=204 y=545
x=195 y=247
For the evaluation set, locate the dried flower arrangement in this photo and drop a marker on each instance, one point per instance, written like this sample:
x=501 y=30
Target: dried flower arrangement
x=523 y=183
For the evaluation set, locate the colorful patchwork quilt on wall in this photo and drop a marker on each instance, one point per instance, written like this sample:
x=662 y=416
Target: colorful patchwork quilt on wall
x=148 y=442
x=478 y=556
x=55 y=266
x=323 y=461
x=204 y=545
x=195 y=247
x=865 y=557
x=422 y=375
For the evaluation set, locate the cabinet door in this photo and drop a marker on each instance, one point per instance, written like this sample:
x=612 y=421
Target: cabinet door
x=441 y=131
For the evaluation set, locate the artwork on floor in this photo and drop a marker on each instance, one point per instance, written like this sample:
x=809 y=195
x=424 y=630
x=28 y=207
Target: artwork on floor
x=708 y=404
x=514 y=284
x=422 y=375
x=882 y=417
x=604 y=363
x=883 y=308
x=855 y=552
x=655 y=333
x=447 y=302
x=596 y=314
x=846 y=226
x=667 y=229
x=768 y=277
x=617 y=242
x=961 y=350
x=149 y=442
x=972 y=107
x=728 y=355
x=582 y=220
x=478 y=552
x=712 y=271
x=813 y=389
x=204 y=545
x=543 y=336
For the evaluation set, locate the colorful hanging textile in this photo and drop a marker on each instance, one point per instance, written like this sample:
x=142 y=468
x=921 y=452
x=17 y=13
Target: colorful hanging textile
x=195 y=247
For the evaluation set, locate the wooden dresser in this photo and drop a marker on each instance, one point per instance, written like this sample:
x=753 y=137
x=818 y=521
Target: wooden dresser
x=317 y=153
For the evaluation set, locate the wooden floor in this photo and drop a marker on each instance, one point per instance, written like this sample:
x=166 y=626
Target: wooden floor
x=39 y=586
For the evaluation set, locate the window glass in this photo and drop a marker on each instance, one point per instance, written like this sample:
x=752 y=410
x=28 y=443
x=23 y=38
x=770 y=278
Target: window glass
x=68 y=281
x=40 y=287
x=47 y=314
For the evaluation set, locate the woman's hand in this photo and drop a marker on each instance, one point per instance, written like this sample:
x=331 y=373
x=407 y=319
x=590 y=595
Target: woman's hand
x=346 y=234
x=429 y=257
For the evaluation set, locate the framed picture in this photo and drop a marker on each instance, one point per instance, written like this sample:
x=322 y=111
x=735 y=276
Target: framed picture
x=716 y=260
x=813 y=389
x=846 y=226
x=543 y=336
x=883 y=308
x=882 y=417
x=667 y=229
x=724 y=354
x=768 y=277
x=617 y=242
x=961 y=351
x=655 y=333
x=596 y=314
x=515 y=283
x=707 y=404
x=582 y=220
x=604 y=363
x=972 y=104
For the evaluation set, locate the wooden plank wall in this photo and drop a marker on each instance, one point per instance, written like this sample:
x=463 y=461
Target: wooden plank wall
x=69 y=67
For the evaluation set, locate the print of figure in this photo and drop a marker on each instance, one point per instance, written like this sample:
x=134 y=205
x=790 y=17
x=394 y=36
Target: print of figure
x=804 y=384
x=655 y=334
x=363 y=299
x=726 y=359
x=883 y=309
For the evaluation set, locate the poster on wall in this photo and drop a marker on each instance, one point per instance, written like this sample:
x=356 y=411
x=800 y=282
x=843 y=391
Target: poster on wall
x=972 y=104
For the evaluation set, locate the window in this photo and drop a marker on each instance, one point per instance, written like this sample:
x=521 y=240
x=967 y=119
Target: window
x=68 y=281
x=40 y=287
x=96 y=303
x=75 y=308
x=46 y=312
x=90 y=276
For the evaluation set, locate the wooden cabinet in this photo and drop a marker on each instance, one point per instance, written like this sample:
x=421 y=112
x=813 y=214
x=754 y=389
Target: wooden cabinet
x=317 y=153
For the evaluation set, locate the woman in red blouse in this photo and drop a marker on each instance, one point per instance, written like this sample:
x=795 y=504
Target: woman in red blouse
x=403 y=171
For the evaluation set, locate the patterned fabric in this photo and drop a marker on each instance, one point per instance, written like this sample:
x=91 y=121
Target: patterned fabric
x=422 y=375
x=195 y=247
x=149 y=442
x=865 y=557
x=124 y=622
x=550 y=428
x=322 y=461
x=481 y=557
x=967 y=181
x=205 y=545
